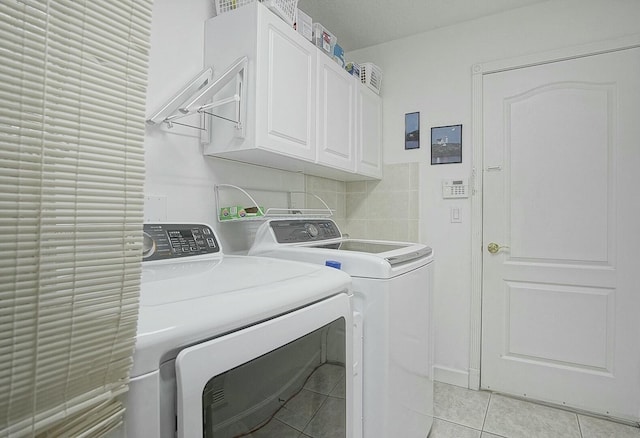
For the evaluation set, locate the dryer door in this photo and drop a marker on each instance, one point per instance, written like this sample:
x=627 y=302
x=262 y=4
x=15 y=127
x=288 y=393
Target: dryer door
x=246 y=380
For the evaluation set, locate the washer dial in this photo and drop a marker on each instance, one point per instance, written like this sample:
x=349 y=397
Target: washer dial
x=312 y=230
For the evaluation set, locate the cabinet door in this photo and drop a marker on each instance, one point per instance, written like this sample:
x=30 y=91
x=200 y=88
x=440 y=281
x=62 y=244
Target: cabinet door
x=285 y=99
x=335 y=115
x=369 y=114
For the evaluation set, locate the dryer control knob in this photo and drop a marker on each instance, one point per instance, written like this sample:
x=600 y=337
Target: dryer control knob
x=148 y=246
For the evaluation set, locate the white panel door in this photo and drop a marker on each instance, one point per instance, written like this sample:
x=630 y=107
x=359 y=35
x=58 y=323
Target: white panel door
x=286 y=99
x=369 y=133
x=560 y=297
x=335 y=117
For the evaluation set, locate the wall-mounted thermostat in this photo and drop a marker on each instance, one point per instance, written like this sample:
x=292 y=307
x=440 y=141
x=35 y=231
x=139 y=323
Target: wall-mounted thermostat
x=455 y=188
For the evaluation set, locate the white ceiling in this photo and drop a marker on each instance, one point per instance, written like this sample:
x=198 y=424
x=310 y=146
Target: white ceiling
x=364 y=23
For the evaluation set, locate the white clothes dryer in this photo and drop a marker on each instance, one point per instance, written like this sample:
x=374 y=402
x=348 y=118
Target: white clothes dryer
x=226 y=343
x=392 y=283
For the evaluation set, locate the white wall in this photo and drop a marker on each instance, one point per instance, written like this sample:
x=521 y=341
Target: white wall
x=178 y=177
x=431 y=73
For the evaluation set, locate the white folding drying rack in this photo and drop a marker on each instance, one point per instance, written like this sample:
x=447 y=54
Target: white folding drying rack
x=194 y=98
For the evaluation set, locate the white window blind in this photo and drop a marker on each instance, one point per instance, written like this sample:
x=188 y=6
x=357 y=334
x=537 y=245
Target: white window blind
x=72 y=87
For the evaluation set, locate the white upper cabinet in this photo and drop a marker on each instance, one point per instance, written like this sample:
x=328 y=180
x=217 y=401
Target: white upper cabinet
x=336 y=114
x=285 y=90
x=369 y=133
x=301 y=109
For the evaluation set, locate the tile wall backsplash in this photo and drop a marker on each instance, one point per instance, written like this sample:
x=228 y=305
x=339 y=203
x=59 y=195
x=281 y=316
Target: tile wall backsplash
x=332 y=192
x=384 y=210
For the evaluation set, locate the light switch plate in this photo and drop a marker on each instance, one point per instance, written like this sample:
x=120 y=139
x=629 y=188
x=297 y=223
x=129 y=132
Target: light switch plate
x=456 y=215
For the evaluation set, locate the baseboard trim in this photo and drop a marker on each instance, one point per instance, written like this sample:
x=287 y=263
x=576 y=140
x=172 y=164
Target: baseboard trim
x=452 y=376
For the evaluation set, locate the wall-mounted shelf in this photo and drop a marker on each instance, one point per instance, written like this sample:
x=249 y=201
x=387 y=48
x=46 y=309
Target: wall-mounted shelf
x=271 y=212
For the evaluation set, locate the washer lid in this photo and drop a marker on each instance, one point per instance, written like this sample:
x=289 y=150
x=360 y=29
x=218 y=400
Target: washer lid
x=292 y=239
x=182 y=303
x=393 y=252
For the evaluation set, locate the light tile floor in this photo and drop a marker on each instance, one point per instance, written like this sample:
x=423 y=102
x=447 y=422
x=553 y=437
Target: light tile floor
x=318 y=411
x=462 y=413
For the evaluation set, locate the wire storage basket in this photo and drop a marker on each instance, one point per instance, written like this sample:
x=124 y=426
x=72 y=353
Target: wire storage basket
x=286 y=9
x=223 y=6
x=371 y=76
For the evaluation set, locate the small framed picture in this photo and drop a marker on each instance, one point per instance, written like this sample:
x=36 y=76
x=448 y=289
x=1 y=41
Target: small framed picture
x=446 y=144
x=412 y=130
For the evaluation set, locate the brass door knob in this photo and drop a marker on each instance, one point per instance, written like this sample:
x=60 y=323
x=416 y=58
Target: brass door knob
x=494 y=247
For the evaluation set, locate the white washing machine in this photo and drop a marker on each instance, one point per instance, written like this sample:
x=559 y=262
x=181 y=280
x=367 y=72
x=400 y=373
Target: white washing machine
x=226 y=344
x=392 y=283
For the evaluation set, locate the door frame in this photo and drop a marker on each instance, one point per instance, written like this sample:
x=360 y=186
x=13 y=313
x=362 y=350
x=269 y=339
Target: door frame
x=478 y=72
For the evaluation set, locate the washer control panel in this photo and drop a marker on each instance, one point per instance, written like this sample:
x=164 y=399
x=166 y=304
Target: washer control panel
x=298 y=231
x=170 y=241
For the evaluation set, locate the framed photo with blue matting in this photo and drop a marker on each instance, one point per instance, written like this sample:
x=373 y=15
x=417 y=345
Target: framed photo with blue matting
x=446 y=144
x=412 y=130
